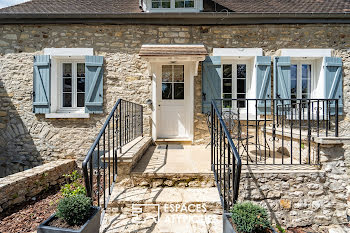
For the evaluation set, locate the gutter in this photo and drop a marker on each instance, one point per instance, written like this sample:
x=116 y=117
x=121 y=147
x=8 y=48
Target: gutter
x=201 y=18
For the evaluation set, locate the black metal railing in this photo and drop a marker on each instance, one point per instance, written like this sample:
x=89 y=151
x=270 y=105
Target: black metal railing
x=279 y=131
x=124 y=124
x=225 y=160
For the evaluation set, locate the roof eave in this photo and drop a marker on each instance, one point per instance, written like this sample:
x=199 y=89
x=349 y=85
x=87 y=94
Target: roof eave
x=176 y=18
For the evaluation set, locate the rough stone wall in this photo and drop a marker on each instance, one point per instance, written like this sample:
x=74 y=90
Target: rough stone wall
x=302 y=198
x=22 y=186
x=125 y=76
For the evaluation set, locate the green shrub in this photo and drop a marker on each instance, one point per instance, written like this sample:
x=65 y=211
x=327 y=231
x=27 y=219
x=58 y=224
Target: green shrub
x=74 y=186
x=74 y=209
x=250 y=218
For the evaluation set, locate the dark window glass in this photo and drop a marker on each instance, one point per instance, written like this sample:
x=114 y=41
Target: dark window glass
x=179 y=91
x=227 y=86
x=166 y=91
x=227 y=103
x=227 y=73
x=241 y=103
x=241 y=71
x=67 y=99
x=189 y=3
x=81 y=70
x=179 y=4
x=241 y=86
x=81 y=85
x=155 y=4
x=166 y=4
x=81 y=99
x=67 y=85
x=67 y=70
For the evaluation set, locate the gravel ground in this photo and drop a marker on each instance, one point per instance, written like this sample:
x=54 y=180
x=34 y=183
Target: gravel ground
x=27 y=216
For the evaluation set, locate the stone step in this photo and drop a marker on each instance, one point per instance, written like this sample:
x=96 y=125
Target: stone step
x=168 y=199
x=194 y=223
x=157 y=179
x=131 y=154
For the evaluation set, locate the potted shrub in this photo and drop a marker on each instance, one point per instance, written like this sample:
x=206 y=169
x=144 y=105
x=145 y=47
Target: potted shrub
x=75 y=212
x=247 y=217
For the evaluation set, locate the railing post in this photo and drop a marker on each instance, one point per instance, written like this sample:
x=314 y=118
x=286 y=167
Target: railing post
x=141 y=120
x=336 y=118
x=212 y=134
x=120 y=127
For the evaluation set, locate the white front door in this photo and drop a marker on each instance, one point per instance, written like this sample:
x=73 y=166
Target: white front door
x=172 y=88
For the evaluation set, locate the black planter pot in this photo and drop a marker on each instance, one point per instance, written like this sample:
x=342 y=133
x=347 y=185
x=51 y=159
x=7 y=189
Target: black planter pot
x=228 y=228
x=92 y=225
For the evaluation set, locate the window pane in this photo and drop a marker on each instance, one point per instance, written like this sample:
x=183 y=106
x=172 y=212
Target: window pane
x=241 y=71
x=179 y=91
x=189 y=3
x=179 y=4
x=227 y=73
x=241 y=86
x=67 y=70
x=306 y=79
x=67 y=99
x=67 y=85
x=81 y=85
x=227 y=103
x=81 y=70
x=178 y=73
x=81 y=100
x=155 y=4
x=242 y=103
x=165 y=4
x=227 y=86
x=293 y=86
x=167 y=73
x=166 y=91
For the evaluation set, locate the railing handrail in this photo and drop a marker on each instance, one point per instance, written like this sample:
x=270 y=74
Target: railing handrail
x=122 y=112
x=236 y=162
x=228 y=135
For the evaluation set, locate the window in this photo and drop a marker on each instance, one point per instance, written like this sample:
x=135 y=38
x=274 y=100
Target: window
x=161 y=4
x=234 y=81
x=175 y=5
x=173 y=82
x=72 y=93
x=301 y=73
x=184 y=3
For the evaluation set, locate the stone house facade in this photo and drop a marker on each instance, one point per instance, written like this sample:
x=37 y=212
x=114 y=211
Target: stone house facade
x=28 y=139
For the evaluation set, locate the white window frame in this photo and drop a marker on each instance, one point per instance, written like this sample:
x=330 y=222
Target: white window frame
x=58 y=55
x=234 y=64
x=198 y=6
x=299 y=64
x=74 y=108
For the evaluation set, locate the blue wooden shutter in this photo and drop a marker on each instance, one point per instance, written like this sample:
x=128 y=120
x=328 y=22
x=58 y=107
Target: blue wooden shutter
x=263 y=83
x=281 y=80
x=94 y=84
x=334 y=82
x=41 y=84
x=211 y=81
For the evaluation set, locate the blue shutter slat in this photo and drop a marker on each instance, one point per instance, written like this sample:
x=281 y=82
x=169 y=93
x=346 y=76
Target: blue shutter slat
x=263 y=83
x=94 y=84
x=333 y=82
x=282 y=80
x=41 y=84
x=211 y=81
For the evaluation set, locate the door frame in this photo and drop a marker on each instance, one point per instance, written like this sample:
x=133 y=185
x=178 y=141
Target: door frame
x=154 y=69
x=188 y=102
